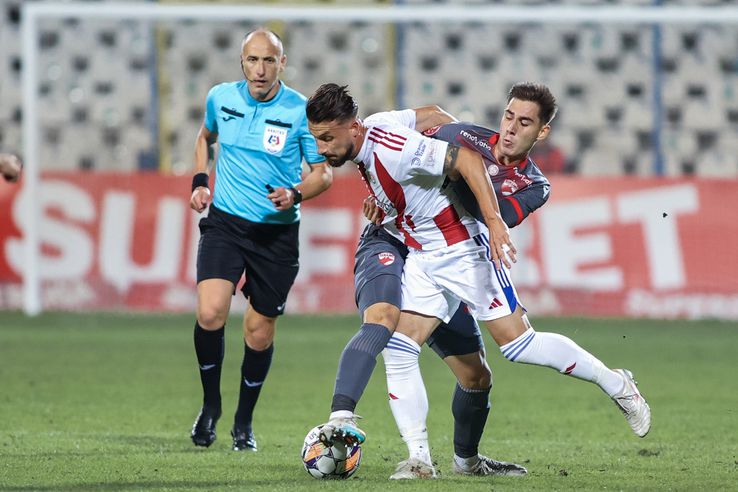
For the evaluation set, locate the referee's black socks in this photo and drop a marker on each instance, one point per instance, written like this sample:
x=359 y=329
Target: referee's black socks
x=254 y=370
x=209 y=347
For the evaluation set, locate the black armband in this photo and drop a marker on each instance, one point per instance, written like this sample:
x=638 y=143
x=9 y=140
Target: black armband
x=296 y=195
x=200 y=179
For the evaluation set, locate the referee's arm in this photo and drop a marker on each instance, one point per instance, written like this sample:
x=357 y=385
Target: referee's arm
x=201 y=196
x=315 y=181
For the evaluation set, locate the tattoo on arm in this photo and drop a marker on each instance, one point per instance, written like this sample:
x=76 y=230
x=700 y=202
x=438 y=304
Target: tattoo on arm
x=449 y=165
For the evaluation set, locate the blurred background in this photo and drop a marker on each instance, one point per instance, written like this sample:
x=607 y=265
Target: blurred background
x=643 y=155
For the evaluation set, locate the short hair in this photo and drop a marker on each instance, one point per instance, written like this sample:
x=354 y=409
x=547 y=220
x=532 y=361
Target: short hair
x=331 y=102
x=537 y=93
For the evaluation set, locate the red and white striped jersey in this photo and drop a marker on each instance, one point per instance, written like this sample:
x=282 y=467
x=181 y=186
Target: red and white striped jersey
x=404 y=172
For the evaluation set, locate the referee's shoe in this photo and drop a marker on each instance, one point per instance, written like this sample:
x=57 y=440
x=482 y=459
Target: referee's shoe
x=243 y=439
x=203 y=430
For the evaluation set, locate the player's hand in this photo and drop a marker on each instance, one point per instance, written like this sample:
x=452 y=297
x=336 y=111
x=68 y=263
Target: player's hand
x=502 y=249
x=372 y=212
x=282 y=198
x=10 y=167
x=200 y=199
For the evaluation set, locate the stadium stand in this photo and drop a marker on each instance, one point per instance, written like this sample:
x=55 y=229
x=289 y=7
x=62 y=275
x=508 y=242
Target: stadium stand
x=136 y=97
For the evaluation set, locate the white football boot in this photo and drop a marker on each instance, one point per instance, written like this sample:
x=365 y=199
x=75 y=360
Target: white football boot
x=342 y=429
x=412 y=469
x=633 y=405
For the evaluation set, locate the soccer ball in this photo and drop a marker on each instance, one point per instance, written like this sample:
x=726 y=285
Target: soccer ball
x=336 y=461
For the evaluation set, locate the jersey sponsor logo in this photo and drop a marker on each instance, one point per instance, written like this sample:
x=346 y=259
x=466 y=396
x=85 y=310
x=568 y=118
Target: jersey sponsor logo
x=509 y=187
x=274 y=138
x=386 y=258
x=493 y=170
x=418 y=153
x=476 y=140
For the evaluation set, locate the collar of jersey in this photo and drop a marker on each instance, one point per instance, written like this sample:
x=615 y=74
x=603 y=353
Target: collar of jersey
x=253 y=102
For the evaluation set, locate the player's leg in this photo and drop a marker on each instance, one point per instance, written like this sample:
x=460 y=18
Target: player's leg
x=519 y=342
x=214 y=299
x=459 y=343
x=493 y=300
x=257 y=359
x=377 y=281
x=219 y=267
x=270 y=272
x=408 y=398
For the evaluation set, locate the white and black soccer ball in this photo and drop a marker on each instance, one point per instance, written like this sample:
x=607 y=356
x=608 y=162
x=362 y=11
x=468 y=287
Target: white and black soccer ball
x=336 y=461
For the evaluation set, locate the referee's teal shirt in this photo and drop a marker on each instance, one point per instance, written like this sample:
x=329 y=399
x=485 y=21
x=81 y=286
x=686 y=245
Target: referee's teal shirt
x=260 y=143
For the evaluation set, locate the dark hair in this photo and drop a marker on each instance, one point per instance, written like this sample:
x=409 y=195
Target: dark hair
x=537 y=93
x=331 y=102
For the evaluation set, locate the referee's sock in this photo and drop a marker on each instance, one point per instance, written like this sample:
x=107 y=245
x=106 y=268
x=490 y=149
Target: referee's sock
x=209 y=347
x=254 y=370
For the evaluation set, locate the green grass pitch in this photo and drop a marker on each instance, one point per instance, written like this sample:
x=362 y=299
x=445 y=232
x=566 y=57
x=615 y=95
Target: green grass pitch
x=105 y=402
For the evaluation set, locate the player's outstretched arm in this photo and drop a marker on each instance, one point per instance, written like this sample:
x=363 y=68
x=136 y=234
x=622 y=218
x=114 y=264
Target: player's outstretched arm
x=201 y=196
x=10 y=167
x=468 y=164
x=429 y=116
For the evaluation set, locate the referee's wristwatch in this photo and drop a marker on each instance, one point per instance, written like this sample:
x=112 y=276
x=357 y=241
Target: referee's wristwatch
x=296 y=195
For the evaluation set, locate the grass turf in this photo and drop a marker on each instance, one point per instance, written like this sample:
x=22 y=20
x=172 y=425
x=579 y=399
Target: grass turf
x=105 y=402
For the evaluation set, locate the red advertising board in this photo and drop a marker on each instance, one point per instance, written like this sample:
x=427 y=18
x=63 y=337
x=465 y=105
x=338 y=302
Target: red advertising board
x=600 y=246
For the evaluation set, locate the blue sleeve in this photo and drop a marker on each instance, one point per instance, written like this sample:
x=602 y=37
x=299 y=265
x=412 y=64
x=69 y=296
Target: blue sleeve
x=211 y=112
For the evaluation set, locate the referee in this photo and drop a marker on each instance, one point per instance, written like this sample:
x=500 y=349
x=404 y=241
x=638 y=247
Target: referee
x=252 y=225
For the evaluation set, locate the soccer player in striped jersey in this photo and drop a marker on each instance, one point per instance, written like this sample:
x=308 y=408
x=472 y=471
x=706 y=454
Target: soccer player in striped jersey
x=448 y=249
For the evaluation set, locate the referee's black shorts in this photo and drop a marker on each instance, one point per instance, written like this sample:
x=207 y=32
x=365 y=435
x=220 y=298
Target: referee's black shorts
x=266 y=254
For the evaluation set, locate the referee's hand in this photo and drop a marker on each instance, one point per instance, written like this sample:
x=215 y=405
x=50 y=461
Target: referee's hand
x=282 y=198
x=200 y=199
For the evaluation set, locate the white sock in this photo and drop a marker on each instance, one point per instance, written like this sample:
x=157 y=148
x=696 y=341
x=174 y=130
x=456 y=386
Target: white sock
x=561 y=353
x=407 y=397
x=341 y=414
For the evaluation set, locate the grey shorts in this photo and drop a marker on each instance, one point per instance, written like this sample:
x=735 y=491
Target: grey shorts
x=378 y=265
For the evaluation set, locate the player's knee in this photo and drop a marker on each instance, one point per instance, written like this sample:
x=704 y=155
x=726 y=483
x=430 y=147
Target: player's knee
x=211 y=317
x=382 y=314
x=477 y=379
x=259 y=332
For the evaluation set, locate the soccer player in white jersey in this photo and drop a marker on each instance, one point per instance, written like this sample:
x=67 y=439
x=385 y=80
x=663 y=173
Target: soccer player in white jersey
x=449 y=250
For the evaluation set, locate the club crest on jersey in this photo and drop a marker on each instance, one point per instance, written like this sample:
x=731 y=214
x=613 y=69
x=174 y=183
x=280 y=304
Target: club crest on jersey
x=274 y=138
x=509 y=187
x=493 y=170
x=432 y=130
x=386 y=258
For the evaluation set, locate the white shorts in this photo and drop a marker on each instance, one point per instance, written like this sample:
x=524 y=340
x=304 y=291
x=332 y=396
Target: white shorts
x=435 y=282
